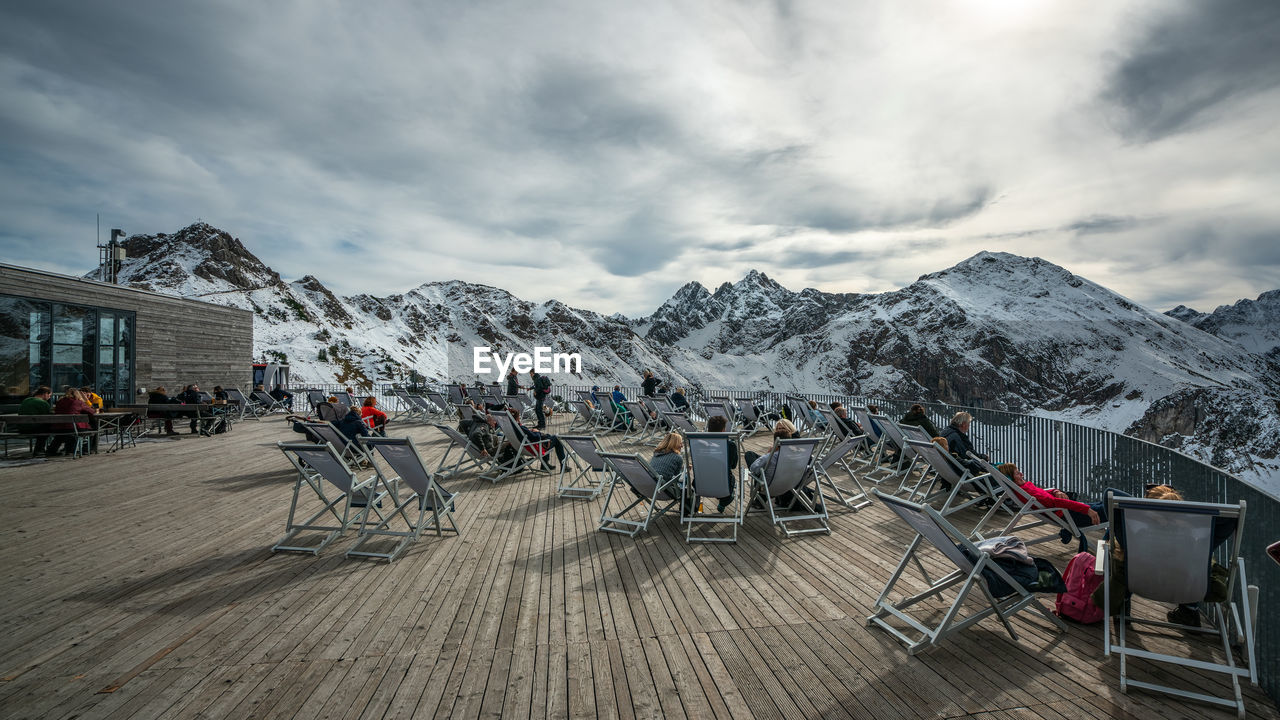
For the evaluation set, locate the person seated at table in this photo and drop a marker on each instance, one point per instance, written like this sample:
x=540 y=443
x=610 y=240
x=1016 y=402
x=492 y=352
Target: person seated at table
x=546 y=441
x=718 y=424
x=375 y=418
x=72 y=403
x=190 y=395
x=37 y=404
x=159 y=396
x=91 y=397
x=283 y=396
x=219 y=394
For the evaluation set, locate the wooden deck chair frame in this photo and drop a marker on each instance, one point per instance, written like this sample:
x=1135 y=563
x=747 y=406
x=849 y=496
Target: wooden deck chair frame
x=1168 y=544
x=1031 y=513
x=587 y=477
x=425 y=504
x=656 y=494
x=929 y=525
x=469 y=456
x=708 y=454
x=792 y=470
x=529 y=454
x=850 y=492
x=318 y=466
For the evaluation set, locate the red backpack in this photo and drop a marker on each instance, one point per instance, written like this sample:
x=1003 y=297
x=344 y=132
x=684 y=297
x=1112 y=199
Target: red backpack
x=1077 y=602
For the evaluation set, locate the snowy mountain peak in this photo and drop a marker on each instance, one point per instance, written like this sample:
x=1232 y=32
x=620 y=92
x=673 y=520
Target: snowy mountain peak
x=1254 y=324
x=196 y=260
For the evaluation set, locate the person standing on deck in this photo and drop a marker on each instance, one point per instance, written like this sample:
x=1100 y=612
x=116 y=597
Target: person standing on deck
x=541 y=389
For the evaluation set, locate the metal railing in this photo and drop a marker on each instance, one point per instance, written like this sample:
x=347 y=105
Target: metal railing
x=1068 y=456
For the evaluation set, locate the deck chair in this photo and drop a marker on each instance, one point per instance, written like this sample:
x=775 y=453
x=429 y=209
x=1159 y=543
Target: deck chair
x=941 y=466
x=799 y=410
x=893 y=439
x=454 y=395
x=329 y=412
x=425 y=505
x=439 y=405
x=847 y=489
x=609 y=415
x=314 y=398
x=320 y=466
x=267 y=403
x=642 y=427
x=709 y=454
x=679 y=422
x=587 y=477
x=1167 y=547
x=584 y=416
x=790 y=472
x=529 y=454
x=655 y=494
x=346 y=399
x=521 y=403
x=464 y=412
x=469 y=456
x=722 y=409
x=750 y=421
x=244 y=406
x=475 y=395
x=1031 y=513
x=324 y=431
x=969 y=574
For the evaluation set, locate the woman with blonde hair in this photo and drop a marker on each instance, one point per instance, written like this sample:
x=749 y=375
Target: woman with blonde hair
x=667 y=462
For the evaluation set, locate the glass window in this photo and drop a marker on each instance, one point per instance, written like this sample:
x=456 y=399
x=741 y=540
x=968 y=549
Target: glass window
x=107 y=329
x=15 y=346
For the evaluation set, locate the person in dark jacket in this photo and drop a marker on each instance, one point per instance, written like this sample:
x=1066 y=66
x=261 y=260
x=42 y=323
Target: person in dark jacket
x=513 y=382
x=678 y=401
x=650 y=384
x=190 y=396
x=159 y=396
x=546 y=440
x=37 y=404
x=918 y=417
x=957 y=437
x=541 y=389
x=284 y=396
x=718 y=424
x=352 y=425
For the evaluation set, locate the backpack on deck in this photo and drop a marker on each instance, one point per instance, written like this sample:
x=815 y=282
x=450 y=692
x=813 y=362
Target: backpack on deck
x=1077 y=602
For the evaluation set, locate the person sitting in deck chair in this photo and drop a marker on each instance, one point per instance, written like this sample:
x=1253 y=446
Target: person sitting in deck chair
x=782 y=430
x=678 y=400
x=159 y=396
x=373 y=417
x=622 y=414
x=957 y=435
x=283 y=396
x=546 y=441
x=1185 y=614
x=484 y=435
x=815 y=417
x=1084 y=514
x=668 y=459
x=717 y=424
x=849 y=425
x=352 y=425
x=918 y=417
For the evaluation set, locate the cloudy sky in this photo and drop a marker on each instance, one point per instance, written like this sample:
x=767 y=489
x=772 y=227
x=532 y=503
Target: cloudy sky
x=606 y=153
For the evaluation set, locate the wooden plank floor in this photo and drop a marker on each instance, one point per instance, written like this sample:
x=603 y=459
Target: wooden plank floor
x=148 y=573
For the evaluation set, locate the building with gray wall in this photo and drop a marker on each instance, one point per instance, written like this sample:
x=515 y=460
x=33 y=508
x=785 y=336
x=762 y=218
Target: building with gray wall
x=59 y=330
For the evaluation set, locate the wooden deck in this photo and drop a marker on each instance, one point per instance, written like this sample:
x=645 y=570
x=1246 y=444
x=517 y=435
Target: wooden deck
x=140 y=584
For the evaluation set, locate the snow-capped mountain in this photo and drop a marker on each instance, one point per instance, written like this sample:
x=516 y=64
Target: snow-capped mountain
x=1254 y=324
x=996 y=330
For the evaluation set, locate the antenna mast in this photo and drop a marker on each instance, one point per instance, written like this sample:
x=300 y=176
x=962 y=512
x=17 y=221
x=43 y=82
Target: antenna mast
x=110 y=256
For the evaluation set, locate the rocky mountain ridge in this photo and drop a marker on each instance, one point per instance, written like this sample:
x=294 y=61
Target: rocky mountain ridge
x=996 y=330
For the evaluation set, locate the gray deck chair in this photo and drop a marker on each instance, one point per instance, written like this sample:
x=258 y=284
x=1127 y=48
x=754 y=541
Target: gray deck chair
x=319 y=466
x=608 y=414
x=268 y=403
x=657 y=495
x=679 y=422
x=521 y=403
x=346 y=399
x=750 y=421
x=420 y=408
x=708 y=454
x=475 y=395
x=584 y=416
x=331 y=412
x=425 y=506
x=941 y=466
x=464 y=412
x=799 y=409
x=1031 y=513
x=931 y=526
x=439 y=405
x=454 y=395
x=324 y=431
x=642 y=427
x=847 y=489
x=723 y=409
x=244 y=406
x=1167 y=548
x=469 y=456
x=893 y=439
x=529 y=455
x=586 y=480
x=791 y=470
x=315 y=397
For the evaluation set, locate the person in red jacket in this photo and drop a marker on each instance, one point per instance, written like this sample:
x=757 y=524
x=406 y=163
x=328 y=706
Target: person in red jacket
x=72 y=403
x=373 y=417
x=1084 y=514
